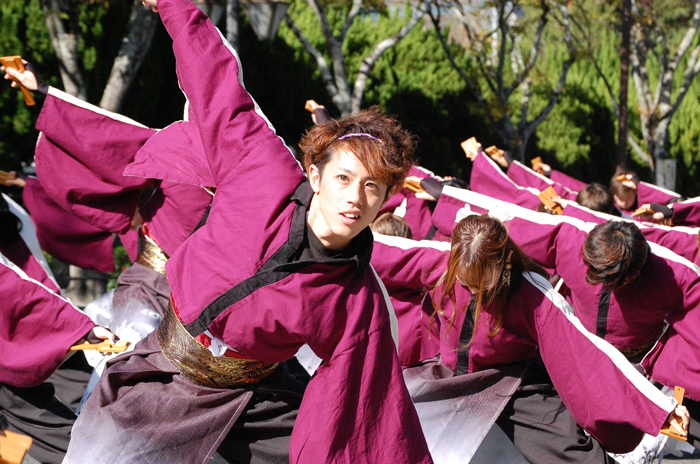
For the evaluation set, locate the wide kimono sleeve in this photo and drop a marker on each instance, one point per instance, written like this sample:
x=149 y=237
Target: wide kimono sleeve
x=675 y=360
x=409 y=263
x=254 y=171
x=526 y=177
x=37 y=326
x=488 y=179
x=569 y=182
x=418 y=214
x=80 y=156
x=650 y=193
x=605 y=394
x=687 y=213
x=409 y=269
x=536 y=233
x=66 y=237
x=681 y=240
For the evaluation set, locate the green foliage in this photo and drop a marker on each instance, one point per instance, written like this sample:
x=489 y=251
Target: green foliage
x=413 y=80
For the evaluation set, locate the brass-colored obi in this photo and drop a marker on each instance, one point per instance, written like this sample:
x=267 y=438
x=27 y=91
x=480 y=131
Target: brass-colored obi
x=150 y=254
x=198 y=364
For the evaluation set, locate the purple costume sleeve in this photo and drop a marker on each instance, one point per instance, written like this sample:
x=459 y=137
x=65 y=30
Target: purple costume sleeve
x=681 y=240
x=604 y=393
x=687 y=213
x=636 y=316
x=174 y=154
x=393 y=202
x=526 y=177
x=409 y=269
x=488 y=179
x=173 y=213
x=650 y=193
x=418 y=213
x=64 y=236
x=37 y=326
x=572 y=184
x=359 y=391
x=80 y=157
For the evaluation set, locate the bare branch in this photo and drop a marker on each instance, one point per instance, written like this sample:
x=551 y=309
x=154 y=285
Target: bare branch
x=320 y=13
x=554 y=98
x=335 y=45
x=688 y=38
x=692 y=70
x=488 y=77
x=641 y=153
x=503 y=29
x=326 y=75
x=473 y=86
x=639 y=73
x=354 y=10
x=135 y=45
x=65 y=37
x=534 y=53
x=384 y=45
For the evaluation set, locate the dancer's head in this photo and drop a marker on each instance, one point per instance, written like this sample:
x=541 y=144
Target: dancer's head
x=614 y=253
x=354 y=164
x=597 y=197
x=486 y=261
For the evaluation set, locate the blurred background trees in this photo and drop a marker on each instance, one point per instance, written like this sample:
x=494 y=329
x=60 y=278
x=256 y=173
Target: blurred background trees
x=412 y=79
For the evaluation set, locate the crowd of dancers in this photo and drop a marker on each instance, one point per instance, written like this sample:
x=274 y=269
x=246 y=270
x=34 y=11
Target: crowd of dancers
x=344 y=305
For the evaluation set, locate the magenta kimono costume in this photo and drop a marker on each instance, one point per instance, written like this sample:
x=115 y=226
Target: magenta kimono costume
x=37 y=326
x=569 y=182
x=80 y=157
x=600 y=388
x=488 y=179
x=407 y=280
x=687 y=213
x=650 y=193
x=237 y=279
x=65 y=237
x=634 y=318
x=526 y=177
x=414 y=210
x=680 y=239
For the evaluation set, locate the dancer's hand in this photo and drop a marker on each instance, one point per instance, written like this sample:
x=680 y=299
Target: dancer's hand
x=152 y=4
x=26 y=78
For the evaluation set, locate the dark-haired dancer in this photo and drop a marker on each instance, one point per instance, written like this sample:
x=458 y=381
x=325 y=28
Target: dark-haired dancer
x=274 y=267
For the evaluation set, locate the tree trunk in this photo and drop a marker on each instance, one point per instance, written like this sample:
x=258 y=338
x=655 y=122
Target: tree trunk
x=624 y=79
x=665 y=172
x=135 y=46
x=64 y=30
x=233 y=11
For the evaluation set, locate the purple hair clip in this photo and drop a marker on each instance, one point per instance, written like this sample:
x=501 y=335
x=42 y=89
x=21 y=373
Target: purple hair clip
x=359 y=134
x=362 y=134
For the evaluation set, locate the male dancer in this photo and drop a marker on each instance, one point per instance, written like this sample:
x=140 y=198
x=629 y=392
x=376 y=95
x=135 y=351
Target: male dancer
x=272 y=269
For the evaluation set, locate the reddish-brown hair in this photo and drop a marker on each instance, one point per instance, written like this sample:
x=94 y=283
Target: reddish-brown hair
x=614 y=253
x=480 y=243
x=391 y=224
x=387 y=155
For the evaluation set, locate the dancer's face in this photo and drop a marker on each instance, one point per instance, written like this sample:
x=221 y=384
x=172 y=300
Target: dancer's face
x=347 y=199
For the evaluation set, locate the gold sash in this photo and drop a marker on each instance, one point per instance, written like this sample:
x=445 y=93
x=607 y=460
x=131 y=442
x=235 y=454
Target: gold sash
x=198 y=364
